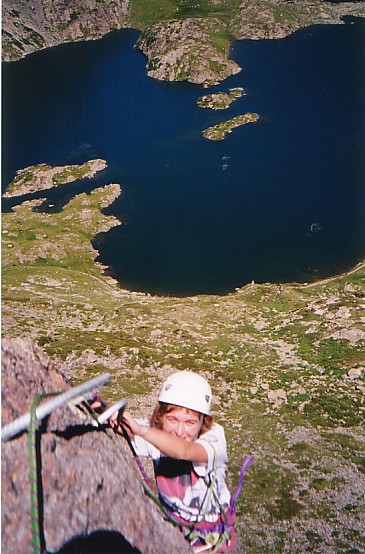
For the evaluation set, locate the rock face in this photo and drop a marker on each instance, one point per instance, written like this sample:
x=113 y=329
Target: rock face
x=92 y=501
x=30 y=26
x=180 y=50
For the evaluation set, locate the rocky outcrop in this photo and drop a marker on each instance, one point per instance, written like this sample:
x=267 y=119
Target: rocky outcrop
x=220 y=100
x=186 y=49
x=270 y=19
x=181 y=50
x=92 y=501
x=30 y=26
x=43 y=177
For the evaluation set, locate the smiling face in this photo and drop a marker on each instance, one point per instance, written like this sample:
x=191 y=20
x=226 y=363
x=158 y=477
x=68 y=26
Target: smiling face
x=182 y=423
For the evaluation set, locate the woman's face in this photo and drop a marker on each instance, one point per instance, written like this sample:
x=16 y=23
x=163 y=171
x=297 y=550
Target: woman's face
x=182 y=422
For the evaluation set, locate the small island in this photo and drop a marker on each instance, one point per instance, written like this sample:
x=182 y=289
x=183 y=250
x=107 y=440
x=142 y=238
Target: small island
x=220 y=100
x=43 y=177
x=219 y=131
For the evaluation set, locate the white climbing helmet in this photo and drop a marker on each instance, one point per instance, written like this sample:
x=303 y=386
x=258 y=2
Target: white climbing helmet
x=188 y=390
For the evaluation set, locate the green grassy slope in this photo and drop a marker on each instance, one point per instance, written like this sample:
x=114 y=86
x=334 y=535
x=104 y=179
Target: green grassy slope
x=286 y=364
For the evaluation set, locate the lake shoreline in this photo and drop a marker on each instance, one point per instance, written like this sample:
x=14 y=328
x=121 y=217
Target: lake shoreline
x=67 y=174
x=224 y=189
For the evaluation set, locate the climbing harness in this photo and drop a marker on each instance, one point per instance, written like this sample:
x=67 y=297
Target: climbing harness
x=214 y=535
x=222 y=531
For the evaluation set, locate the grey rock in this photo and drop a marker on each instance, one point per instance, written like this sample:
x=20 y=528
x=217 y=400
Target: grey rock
x=93 y=501
x=31 y=26
x=355 y=372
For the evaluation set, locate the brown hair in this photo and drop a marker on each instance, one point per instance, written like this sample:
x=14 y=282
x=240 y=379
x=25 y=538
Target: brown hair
x=162 y=408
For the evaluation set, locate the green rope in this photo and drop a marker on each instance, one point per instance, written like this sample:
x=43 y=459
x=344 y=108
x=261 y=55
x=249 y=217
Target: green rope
x=34 y=483
x=33 y=478
x=33 y=474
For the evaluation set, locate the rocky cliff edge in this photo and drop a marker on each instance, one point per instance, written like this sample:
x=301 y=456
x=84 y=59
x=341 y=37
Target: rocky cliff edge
x=92 y=500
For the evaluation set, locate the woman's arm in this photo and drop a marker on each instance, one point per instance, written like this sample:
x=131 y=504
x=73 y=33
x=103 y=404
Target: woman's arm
x=170 y=445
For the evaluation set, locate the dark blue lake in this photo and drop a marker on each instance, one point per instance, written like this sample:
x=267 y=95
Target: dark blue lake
x=282 y=199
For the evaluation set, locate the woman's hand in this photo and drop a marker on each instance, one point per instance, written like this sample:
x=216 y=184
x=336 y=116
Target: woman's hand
x=132 y=426
x=95 y=405
x=113 y=421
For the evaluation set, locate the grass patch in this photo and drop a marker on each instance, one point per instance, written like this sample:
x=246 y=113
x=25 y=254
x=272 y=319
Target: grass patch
x=144 y=13
x=333 y=355
x=330 y=410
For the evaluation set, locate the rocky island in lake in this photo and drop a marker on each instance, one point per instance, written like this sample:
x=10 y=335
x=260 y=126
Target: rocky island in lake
x=219 y=131
x=220 y=100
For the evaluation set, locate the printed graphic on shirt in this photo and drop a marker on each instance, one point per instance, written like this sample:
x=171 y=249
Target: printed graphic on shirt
x=181 y=489
x=184 y=487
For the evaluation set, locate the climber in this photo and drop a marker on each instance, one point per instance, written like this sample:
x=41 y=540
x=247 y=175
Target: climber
x=190 y=459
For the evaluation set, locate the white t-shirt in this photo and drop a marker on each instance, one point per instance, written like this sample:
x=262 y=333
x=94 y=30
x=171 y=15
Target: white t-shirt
x=183 y=486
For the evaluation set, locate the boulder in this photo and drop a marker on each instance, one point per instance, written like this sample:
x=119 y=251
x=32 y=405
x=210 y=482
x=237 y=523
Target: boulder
x=91 y=499
x=277 y=396
x=355 y=372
